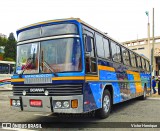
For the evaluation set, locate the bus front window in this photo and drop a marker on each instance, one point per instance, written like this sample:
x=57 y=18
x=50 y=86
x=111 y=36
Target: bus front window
x=27 y=58
x=61 y=55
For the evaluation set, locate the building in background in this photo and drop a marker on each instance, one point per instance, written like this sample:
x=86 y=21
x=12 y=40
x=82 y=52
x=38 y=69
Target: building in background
x=2 y=35
x=141 y=46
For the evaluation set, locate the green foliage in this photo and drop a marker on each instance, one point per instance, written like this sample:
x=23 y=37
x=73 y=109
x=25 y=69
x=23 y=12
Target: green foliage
x=3 y=41
x=10 y=48
x=8 y=59
x=1 y=54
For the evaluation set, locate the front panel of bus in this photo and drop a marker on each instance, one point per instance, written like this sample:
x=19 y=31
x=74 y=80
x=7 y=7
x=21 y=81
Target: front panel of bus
x=50 y=68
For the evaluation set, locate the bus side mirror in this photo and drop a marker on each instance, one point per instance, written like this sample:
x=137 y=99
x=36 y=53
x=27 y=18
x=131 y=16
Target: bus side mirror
x=88 y=44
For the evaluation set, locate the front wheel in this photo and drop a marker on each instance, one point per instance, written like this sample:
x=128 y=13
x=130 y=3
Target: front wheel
x=106 y=106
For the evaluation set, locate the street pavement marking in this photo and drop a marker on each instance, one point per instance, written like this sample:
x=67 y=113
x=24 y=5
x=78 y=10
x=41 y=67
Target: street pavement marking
x=18 y=129
x=42 y=114
x=48 y=115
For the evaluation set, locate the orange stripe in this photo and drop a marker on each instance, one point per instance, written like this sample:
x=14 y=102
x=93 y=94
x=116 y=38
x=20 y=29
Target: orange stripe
x=17 y=80
x=137 y=77
x=100 y=67
x=69 y=78
x=92 y=78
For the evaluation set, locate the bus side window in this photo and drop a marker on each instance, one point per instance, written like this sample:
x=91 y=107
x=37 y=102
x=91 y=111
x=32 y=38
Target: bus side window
x=125 y=56
x=133 y=59
x=106 y=49
x=147 y=65
x=99 y=45
x=139 y=62
x=143 y=64
x=116 y=53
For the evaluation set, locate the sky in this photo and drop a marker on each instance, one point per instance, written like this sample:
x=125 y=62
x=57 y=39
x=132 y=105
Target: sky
x=123 y=20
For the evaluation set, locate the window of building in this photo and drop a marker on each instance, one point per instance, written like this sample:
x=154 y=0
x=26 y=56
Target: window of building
x=125 y=56
x=134 y=49
x=141 y=48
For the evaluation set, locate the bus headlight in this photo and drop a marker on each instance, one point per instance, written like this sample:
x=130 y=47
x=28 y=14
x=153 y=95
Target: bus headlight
x=66 y=104
x=58 y=104
x=18 y=103
x=14 y=102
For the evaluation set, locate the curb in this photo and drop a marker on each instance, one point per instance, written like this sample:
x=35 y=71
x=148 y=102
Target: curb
x=153 y=98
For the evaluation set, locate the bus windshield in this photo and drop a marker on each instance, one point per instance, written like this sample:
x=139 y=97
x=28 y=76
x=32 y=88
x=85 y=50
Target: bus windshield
x=58 y=55
x=61 y=55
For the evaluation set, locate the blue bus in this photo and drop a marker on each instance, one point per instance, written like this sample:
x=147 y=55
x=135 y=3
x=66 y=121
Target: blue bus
x=68 y=66
x=6 y=67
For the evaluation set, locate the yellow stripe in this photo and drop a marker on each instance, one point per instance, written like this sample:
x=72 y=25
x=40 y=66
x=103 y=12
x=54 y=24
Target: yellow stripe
x=55 y=78
x=137 y=77
x=17 y=80
x=100 y=67
x=130 y=72
x=69 y=78
x=92 y=78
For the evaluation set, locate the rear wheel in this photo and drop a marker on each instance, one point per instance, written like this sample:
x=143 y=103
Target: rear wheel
x=106 y=106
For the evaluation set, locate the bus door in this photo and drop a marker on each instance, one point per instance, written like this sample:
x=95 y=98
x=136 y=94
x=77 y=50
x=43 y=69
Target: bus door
x=90 y=55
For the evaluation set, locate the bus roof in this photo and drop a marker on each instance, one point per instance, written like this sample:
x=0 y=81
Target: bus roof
x=49 y=21
x=64 y=20
x=80 y=21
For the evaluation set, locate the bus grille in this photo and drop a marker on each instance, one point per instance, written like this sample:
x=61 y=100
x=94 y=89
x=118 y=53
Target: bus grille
x=54 y=90
x=37 y=80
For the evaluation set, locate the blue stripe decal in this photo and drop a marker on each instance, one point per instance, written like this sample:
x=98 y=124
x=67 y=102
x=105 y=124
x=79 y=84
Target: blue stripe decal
x=108 y=75
x=132 y=85
x=97 y=93
x=88 y=98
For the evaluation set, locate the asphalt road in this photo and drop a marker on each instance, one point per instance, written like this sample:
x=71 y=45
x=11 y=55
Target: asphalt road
x=130 y=111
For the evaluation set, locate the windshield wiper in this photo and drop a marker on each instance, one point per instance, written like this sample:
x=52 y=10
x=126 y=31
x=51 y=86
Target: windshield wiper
x=43 y=62
x=49 y=67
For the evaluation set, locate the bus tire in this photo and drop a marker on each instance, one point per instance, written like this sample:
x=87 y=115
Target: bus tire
x=106 y=106
x=143 y=97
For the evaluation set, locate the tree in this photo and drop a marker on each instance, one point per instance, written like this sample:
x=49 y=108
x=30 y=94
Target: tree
x=10 y=48
x=3 y=41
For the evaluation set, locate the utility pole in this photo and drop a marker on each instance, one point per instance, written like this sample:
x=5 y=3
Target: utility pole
x=153 y=41
x=149 y=46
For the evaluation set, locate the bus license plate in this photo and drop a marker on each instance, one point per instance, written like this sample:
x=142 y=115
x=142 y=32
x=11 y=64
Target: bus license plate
x=36 y=103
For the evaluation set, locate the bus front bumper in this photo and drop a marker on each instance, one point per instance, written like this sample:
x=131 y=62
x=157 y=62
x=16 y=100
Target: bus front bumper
x=56 y=104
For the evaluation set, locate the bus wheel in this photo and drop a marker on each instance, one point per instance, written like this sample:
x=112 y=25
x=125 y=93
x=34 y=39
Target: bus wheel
x=106 y=106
